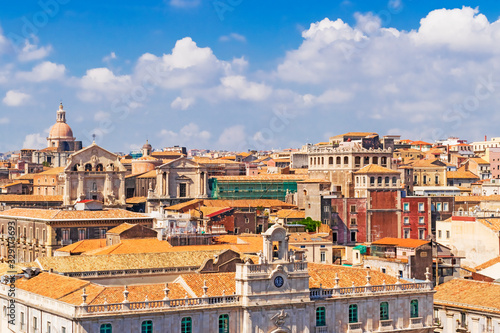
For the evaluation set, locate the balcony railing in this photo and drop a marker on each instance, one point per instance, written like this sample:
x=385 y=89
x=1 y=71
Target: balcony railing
x=354 y=327
x=416 y=322
x=385 y=325
x=379 y=289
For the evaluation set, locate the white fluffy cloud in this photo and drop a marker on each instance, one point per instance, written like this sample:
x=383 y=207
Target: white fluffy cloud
x=182 y=103
x=234 y=138
x=238 y=86
x=15 y=98
x=32 y=52
x=35 y=141
x=98 y=82
x=45 y=71
x=188 y=135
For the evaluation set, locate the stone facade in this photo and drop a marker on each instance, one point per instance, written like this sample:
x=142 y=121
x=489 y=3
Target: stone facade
x=94 y=173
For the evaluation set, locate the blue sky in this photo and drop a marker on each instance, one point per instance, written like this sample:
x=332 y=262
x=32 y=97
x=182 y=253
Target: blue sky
x=240 y=74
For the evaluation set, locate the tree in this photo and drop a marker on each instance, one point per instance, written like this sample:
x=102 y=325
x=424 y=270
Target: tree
x=310 y=224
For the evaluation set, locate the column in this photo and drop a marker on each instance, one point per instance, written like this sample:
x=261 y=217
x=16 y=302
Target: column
x=121 y=191
x=67 y=192
x=80 y=190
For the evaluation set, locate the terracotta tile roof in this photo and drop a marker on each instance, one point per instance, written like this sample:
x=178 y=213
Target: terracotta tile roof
x=304 y=237
x=58 y=214
x=354 y=134
x=121 y=228
x=163 y=154
x=492 y=223
x=183 y=205
x=421 y=143
x=12 y=184
x=52 y=171
x=147 y=158
x=325 y=275
x=149 y=174
x=469 y=294
x=217 y=283
x=206 y=160
x=210 y=211
x=487 y=264
x=433 y=163
x=479 y=160
x=136 y=200
x=83 y=246
x=5 y=268
x=302 y=171
x=86 y=263
x=374 y=168
x=30 y=198
x=263 y=177
x=137 y=245
x=291 y=214
x=408 y=150
x=461 y=173
x=28 y=176
x=51 y=285
x=401 y=242
x=314 y=180
x=477 y=198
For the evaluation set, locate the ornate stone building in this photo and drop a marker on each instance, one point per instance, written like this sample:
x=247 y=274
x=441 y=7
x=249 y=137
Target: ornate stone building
x=60 y=143
x=339 y=164
x=94 y=173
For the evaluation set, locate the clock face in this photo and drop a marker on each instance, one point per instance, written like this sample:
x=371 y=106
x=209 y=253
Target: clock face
x=278 y=281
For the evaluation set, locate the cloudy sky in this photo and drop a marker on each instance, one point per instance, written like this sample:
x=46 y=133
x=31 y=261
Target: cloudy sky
x=241 y=74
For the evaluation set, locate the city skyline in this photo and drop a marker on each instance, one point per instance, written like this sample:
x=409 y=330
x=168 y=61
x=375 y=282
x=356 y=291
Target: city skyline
x=238 y=75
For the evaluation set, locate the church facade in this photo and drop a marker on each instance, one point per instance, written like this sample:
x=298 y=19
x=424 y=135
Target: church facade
x=94 y=173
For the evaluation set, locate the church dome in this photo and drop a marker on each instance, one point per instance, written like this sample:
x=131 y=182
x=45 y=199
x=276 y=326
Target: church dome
x=60 y=130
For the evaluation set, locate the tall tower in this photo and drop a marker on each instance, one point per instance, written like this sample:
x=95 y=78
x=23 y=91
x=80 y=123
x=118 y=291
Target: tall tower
x=61 y=135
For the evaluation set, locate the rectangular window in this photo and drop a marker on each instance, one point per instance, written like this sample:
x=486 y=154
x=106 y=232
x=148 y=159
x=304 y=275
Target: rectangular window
x=334 y=209
x=406 y=220
x=63 y=329
x=407 y=233
x=247 y=230
x=445 y=206
x=81 y=234
x=353 y=208
x=353 y=236
x=420 y=206
x=334 y=236
x=421 y=220
x=353 y=313
x=236 y=230
x=353 y=221
x=182 y=190
x=384 y=311
x=383 y=270
x=35 y=323
x=439 y=234
x=186 y=325
x=65 y=234
x=320 y=316
x=224 y=323
x=323 y=256
x=326 y=209
x=421 y=233
x=21 y=320
x=439 y=206
x=102 y=233
x=49 y=327
x=447 y=234
x=406 y=206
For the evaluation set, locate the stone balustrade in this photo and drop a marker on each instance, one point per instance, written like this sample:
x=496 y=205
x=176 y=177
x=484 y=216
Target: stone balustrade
x=385 y=288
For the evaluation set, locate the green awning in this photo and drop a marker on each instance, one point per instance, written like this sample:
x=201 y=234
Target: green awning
x=361 y=248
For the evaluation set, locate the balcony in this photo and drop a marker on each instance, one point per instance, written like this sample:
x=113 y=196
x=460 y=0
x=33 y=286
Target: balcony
x=416 y=322
x=321 y=329
x=355 y=327
x=385 y=325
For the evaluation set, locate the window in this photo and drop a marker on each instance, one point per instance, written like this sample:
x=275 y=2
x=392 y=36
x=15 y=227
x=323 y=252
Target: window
x=183 y=192
x=386 y=181
x=421 y=220
x=353 y=313
x=414 y=308
x=224 y=323
x=407 y=233
x=247 y=220
x=384 y=311
x=406 y=206
x=147 y=326
x=421 y=233
x=438 y=205
x=49 y=327
x=353 y=236
x=326 y=209
x=334 y=236
x=320 y=316
x=445 y=206
x=105 y=328
x=323 y=256
x=383 y=270
x=437 y=180
x=447 y=234
x=439 y=234
x=406 y=220
x=186 y=325
x=330 y=160
x=463 y=319
x=394 y=181
x=21 y=321
x=379 y=181
x=346 y=160
x=334 y=209
x=102 y=233
x=35 y=323
x=353 y=221
x=81 y=234
x=400 y=274
x=65 y=234
x=247 y=230
x=372 y=181
x=353 y=208
x=420 y=206
x=63 y=329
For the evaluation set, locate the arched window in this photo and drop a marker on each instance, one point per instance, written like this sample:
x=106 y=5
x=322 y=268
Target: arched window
x=330 y=160
x=311 y=161
x=75 y=167
x=186 y=325
x=88 y=167
x=386 y=181
x=414 y=308
x=375 y=160
x=346 y=160
x=339 y=161
x=99 y=167
x=384 y=311
x=357 y=161
x=379 y=181
x=372 y=181
x=353 y=313
x=383 y=160
x=105 y=328
x=366 y=160
x=320 y=316
x=147 y=326
x=314 y=161
x=322 y=161
x=224 y=323
x=394 y=180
